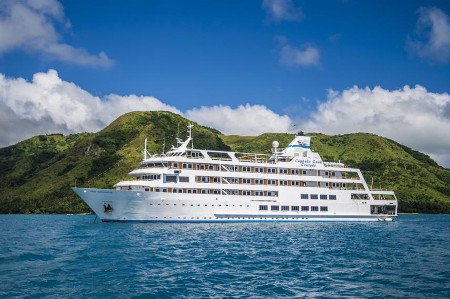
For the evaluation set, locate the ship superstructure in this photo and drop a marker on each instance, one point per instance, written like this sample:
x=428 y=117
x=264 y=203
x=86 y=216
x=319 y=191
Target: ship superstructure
x=195 y=185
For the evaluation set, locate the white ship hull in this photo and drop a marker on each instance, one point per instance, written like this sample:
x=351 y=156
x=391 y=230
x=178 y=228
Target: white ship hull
x=144 y=206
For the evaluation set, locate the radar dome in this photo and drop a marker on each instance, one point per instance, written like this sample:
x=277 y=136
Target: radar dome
x=275 y=144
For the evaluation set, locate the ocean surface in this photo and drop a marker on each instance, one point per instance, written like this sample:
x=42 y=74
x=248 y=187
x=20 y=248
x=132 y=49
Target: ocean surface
x=71 y=256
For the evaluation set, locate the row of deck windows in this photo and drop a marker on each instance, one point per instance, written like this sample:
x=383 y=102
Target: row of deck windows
x=151 y=177
x=258 y=181
x=293 y=208
x=205 y=191
x=315 y=196
x=254 y=169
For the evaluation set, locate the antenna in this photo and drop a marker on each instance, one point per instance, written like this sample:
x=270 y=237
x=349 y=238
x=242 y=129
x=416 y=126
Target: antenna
x=164 y=144
x=190 y=126
x=145 y=149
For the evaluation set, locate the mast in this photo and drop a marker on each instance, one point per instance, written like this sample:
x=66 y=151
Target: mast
x=164 y=144
x=190 y=126
x=145 y=149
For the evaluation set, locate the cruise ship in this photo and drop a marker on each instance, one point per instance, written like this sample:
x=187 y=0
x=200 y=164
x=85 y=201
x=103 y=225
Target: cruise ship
x=198 y=185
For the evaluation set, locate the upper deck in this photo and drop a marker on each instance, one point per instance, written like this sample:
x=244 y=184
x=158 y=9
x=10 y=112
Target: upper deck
x=297 y=154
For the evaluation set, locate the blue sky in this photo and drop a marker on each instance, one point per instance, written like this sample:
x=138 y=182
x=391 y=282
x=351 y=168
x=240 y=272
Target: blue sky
x=193 y=53
x=254 y=66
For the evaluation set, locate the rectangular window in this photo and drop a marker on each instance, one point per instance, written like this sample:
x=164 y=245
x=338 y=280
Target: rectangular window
x=263 y=208
x=360 y=196
x=314 y=196
x=304 y=196
x=271 y=170
x=324 y=209
x=274 y=208
x=184 y=179
x=332 y=197
x=272 y=193
x=314 y=208
x=295 y=208
x=283 y=183
x=305 y=208
x=285 y=208
x=246 y=192
x=171 y=178
x=323 y=196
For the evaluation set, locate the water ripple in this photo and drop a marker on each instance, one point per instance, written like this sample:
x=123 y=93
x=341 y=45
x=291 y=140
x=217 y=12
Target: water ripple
x=54 y=256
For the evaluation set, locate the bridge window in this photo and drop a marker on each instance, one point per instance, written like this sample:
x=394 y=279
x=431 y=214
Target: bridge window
x=324 y=209
x=314 y=209
x=360 y=196
x=304 y=196
x=305 y=208
x=274 y=208
x=263 y=208
x=323 y=196
x=285 y=208
x=314 y=196
x=332 y=197
x=295 y=208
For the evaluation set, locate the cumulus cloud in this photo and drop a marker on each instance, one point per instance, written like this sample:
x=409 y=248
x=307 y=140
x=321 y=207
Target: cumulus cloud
x=29 y=25
x=412 y=116
x=282 y=10
x=243 y=120
x=304 y=56
x=432 y=40
x=49 y=104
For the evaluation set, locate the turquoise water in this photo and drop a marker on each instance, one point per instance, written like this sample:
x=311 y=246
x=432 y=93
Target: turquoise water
x=70 y=256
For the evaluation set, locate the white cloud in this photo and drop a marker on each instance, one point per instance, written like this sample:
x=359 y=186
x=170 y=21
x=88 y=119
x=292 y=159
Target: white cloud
x=243 y=120
x=29 y=25
x=282 y=10
x=433 y=36
x=304 y=56
x=48 y=104
x=411 y=116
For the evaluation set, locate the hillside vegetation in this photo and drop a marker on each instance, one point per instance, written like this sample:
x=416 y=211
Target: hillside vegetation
x=36 y=174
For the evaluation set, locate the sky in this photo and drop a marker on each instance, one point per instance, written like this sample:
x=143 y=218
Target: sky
x=243 y=67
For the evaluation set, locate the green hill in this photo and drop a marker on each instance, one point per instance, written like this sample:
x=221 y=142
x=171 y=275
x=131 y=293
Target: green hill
x=36 y=174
